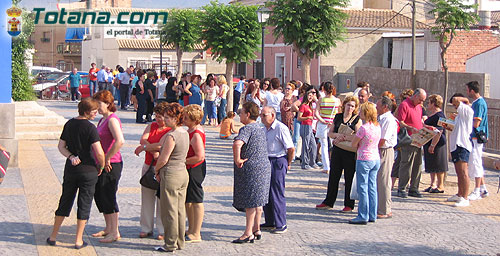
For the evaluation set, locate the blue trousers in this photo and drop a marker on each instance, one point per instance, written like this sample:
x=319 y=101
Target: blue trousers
x=366 y=176
x=221 y=110
x=275 y=210
x=92 y=87
x=236 y=101
x=296 y=132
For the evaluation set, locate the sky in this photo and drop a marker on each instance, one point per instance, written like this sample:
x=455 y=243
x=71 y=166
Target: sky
x=51 y=4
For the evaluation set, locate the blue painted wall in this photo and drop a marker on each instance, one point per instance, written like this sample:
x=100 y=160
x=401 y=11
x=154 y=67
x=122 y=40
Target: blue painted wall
x=5 y=55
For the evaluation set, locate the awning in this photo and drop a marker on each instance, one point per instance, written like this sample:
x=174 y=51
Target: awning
x=74 y=35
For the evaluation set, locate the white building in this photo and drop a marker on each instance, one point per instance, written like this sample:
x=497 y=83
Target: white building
x=487 y=62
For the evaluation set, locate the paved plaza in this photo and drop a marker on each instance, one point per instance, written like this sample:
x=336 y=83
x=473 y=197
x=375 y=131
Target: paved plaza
x=420 y=226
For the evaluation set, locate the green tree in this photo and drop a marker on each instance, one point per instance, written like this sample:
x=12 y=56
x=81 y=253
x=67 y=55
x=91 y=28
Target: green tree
x=232 y=33
x=21 y=81
x=312 y=27
x=183 y=32
x=450 y=16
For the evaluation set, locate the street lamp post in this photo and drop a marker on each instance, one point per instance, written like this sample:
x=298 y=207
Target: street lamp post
x=263 y=15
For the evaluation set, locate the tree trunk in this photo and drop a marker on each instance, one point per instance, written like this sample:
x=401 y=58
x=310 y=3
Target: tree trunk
x=306 y=69
x=229 y=78
x=179 y=63
x=445 y=67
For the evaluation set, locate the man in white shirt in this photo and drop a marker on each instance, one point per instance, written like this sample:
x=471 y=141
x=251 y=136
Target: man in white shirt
x=461 y=146
x=388 y=139
x=280 y=151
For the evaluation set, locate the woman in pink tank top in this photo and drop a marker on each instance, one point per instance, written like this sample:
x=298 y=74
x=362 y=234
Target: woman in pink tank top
x=110 y=132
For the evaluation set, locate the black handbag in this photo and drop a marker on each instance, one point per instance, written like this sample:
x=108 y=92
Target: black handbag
x=481 y=137
x=403 y=138
x=148 y=180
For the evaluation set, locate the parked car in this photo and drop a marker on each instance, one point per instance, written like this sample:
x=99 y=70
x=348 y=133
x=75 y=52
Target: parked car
x=39 y=69
x=59 y=90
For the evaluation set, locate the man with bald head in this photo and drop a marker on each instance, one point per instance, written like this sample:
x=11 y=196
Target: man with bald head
x=410 y=117
x=363 y=96
x=280 y=151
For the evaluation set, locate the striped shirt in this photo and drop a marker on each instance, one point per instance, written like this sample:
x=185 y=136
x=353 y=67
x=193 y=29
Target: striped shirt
x=328 y=108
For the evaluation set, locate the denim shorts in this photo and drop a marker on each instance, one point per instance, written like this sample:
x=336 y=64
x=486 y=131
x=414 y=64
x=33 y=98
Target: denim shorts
x=460 y=154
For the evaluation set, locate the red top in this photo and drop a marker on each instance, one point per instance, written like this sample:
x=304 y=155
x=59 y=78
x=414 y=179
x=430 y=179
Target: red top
x=306 y=111
x=410 y=114
x=93 y=77
x=155 y=136
x=191 y=150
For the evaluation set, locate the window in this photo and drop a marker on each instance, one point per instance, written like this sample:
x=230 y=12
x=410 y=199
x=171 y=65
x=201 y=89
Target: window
x=241 y=69
x=46 y=37
x=60 y=48
x=257 y=69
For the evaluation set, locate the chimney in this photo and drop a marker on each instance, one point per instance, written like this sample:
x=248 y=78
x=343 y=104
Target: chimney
x=485 y=20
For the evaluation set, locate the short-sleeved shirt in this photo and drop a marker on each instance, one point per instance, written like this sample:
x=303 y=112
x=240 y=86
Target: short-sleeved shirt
x=124 y=78
x=410 y=114
x=480 y=113
x=162 y=85
x=102 y=76
x=274 y=100
x=306 y=112
x=79 y=135
x=328 y=108
x=211 y=92
x=278 y=138
x=460 y=136
x=433 y=121
x=239 y=86
x=148 y=85
x=93 y=74
x=74 y=80
x=389 y=127
x=368 y=145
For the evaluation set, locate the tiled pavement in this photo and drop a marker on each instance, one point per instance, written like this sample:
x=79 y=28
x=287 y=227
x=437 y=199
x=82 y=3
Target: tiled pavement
x=29 y=196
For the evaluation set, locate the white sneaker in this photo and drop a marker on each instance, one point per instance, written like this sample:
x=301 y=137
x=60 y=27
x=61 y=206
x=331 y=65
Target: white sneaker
x=474 y=196
x=462 y=202
x=484 y=194
x=453 y=198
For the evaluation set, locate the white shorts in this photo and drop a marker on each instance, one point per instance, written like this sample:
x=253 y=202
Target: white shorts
x=476 y=169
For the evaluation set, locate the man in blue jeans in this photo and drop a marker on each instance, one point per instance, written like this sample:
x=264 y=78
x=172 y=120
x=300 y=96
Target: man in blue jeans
x=280 y=151
x=74 y=80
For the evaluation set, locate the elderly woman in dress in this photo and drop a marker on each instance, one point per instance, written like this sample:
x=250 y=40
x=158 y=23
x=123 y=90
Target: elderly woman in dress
x=252 y=172
x=170 y=171
x=110 y=132
x=150 y=143
x=78 y=139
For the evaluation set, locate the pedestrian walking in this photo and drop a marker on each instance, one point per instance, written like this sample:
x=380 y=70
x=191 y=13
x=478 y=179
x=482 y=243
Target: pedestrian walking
x=238 y=90
x=93 y=79
x=73 y=82
x=124 y=78
x=141 y=98
x=102 y=78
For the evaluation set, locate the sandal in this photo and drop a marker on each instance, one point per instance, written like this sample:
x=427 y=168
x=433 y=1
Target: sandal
x=100 y=234
x=428 y=189
x=436 y=190
x=144 y=234
x=108 y=239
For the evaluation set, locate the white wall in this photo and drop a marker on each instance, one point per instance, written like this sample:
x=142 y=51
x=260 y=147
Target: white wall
x=487 y=62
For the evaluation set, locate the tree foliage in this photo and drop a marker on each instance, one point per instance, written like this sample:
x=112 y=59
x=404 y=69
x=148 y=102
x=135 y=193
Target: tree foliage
x=312 y=27
x=182 y=30
x=451 y=15
x=231 y=32
x=21 y=81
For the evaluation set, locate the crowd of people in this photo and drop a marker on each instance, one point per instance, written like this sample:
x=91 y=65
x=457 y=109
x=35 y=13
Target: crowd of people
x=368 y=142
